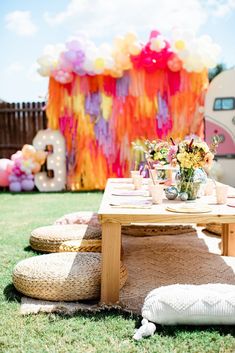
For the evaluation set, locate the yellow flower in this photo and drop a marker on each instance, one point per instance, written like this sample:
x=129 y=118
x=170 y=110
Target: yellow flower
x=202 y=145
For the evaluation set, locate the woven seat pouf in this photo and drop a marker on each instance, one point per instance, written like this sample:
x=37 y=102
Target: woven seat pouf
x=81 y=217
x=91 y=218
x=49 y=238
x=82 y=245
x=62 y=276
x=156 y=229
x=215 y=228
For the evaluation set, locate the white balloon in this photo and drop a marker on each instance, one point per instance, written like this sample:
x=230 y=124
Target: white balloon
x=110 y=63
x=44 y=60
x=105 y=49
x=87 y=65
x=44 y=71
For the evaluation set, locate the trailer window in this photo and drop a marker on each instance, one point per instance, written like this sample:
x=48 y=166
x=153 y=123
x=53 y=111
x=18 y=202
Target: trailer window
x=227 y=103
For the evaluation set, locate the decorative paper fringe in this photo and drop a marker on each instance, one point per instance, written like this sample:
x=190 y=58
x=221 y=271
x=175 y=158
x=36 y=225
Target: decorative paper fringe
x=101 y=115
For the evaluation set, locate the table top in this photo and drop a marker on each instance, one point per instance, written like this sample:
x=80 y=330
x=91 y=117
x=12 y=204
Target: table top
x=122 y=204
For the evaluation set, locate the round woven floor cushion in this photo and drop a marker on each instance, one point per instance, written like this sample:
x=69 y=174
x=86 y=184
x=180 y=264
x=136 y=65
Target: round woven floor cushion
x=62 y=276
x=49 y=238
x=214 y=228
x=135 y=229
x=82 y=217
x=156 y=229
x=81 y=246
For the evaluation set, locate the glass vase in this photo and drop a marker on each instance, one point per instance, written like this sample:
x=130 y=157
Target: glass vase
x=188 y=184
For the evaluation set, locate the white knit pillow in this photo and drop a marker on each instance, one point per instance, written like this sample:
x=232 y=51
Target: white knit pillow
x=191 y=304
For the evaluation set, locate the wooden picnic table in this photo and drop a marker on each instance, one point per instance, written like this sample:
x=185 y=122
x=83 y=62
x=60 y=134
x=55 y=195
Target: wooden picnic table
x=114 y=213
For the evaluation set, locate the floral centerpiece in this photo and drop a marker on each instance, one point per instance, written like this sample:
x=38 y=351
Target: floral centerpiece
x=158 y=151
x=159 y=157
x=192 y=155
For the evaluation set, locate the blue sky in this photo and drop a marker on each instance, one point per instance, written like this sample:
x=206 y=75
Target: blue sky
x=26 y=27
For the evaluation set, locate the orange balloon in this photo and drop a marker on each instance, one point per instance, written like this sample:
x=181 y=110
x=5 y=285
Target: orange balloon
x=36 y=168
x=40 y=157
x=28 y=151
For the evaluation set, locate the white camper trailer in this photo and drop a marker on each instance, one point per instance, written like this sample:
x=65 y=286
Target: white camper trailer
x=220 y=120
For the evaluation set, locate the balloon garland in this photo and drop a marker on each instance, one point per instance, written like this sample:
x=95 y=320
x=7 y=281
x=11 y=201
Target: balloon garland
x=80 y=56
x=18 y=172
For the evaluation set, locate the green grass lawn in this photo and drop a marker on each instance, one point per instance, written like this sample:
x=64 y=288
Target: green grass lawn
x=103 y=332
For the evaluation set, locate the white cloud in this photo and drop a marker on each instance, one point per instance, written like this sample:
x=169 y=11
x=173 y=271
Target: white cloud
x=20 y=23
x=103 y=18
x=73 y=8
x=222 y=8
x=14 y=67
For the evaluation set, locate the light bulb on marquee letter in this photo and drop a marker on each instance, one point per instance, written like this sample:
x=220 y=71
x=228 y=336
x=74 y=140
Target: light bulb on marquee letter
x=55 y=160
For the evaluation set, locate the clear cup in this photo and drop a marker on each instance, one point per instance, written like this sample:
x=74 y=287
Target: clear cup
x=209 y=188
x=221 y=193
x=133 y=173
x=137 y=181
x=157 y=193
x=153 y=174
x=150 y=183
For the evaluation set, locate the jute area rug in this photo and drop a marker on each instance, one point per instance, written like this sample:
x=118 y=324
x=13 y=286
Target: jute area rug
x=155 y=261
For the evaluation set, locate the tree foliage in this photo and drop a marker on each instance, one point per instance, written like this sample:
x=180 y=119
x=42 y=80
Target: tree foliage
x=216 y=71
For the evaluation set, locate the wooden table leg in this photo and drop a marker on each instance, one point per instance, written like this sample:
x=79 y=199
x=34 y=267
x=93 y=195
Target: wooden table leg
x=110 y=277
x=228 y=240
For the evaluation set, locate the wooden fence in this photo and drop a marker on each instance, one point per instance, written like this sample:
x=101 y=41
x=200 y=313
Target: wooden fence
x=19 y=123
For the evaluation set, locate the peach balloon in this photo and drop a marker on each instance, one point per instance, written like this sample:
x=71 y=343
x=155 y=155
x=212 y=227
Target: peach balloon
x=36 y=168
x=134 y=49
x=28 y=151
x=40 y=157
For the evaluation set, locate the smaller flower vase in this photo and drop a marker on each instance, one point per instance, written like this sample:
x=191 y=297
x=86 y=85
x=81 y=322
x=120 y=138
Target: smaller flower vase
x=187 y=183
x=190 y=187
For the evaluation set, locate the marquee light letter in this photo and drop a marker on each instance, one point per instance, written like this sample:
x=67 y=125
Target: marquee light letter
x=55 y=160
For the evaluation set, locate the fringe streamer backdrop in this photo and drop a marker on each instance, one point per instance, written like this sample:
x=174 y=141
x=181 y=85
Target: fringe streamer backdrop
x=101 y=115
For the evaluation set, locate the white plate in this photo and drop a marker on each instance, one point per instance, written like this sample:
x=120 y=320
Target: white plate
x=130 y=193
x=189 y=209
x=132 y=204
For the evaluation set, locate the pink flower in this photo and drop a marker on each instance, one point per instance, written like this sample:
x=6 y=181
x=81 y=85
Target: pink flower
x=171 y=157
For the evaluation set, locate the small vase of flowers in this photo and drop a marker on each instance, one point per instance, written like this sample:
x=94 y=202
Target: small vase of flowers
x=192 y=154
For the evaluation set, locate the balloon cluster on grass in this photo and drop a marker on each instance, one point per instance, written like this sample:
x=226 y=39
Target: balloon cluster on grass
x=18 y=172
x=80 y=56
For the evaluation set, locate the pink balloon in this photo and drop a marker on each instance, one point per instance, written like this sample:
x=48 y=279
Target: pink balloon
x=174 y=63
x=15 y=186
x=5 y=165
x=16 y=156
x=17 y=167
x=3 y=179
x=62 y=76
x=9 y=167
